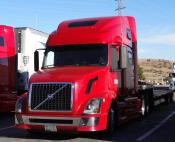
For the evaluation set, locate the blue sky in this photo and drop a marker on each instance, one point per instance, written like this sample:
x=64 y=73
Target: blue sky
x=155 y=19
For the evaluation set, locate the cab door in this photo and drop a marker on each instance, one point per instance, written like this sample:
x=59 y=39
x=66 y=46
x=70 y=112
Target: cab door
x=3 y=62
x=8 y=95
x=127 y=99
x=131 y=99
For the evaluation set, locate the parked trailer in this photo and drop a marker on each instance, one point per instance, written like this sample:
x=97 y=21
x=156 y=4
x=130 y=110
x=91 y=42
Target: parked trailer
x=88 y=81
x=17 y=46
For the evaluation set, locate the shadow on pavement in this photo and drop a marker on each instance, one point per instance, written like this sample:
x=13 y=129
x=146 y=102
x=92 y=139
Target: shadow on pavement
x=6 y=119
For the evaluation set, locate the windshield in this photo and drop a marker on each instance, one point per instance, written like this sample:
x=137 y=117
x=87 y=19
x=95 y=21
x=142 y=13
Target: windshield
x=172 y=74
x=79 y=55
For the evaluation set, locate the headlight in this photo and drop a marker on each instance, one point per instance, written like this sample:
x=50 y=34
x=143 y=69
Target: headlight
x=93 y=106
x=19 y=105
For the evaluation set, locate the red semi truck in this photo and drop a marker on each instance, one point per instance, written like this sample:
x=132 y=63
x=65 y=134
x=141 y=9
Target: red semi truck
x=17 y=46
x=88 y=81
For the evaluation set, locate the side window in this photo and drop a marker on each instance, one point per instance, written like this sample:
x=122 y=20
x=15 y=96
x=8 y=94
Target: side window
x=130 y=56
x=114 y=59
x=129 y=36
x=1 y=41
x=50 y=59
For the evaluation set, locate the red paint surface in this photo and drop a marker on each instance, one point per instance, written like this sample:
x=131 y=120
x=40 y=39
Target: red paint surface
x=7 y=70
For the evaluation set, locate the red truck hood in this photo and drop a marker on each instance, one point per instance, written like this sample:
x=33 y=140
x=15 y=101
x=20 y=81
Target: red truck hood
x=66 y=74
x=81 y=76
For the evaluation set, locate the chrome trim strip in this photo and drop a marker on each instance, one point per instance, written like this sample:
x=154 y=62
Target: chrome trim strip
x=76 y=121
x=30 y=91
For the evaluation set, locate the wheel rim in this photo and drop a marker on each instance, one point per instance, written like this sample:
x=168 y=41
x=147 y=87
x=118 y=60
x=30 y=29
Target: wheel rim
x=143 y=107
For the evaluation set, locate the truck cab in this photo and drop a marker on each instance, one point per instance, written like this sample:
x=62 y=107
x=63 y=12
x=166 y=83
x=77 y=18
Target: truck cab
x=17 y=46
x=8 y=58
x=88 y=80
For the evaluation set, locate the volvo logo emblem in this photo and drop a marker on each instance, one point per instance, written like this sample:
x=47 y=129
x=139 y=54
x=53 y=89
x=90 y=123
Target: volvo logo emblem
x=50 y=96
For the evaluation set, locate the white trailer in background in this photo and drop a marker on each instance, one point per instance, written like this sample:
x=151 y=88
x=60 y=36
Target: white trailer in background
x=27 y=41
x=17 y=46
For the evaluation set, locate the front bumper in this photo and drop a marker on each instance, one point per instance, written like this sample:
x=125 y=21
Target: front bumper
x=57 y=124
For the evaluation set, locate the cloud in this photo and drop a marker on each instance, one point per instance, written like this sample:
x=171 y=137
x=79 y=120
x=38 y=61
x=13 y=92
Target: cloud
x=165 y=39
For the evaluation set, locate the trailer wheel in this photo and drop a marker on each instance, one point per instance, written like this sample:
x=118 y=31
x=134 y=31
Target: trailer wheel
x=167 y=99
x=145 y=106
x=172 y=97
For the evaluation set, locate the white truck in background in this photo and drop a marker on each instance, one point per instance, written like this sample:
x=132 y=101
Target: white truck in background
x=27 y=41
x=172 y=78
x=17 y=47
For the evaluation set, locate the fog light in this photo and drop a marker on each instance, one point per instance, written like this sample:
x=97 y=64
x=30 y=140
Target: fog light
x=84 y=121
x=89 y=121
x=19 y=120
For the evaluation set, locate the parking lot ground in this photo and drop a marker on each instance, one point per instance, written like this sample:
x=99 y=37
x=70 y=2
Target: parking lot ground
x=159 y=126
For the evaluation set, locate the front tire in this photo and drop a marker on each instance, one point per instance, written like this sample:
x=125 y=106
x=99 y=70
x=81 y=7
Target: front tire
x=111 y=123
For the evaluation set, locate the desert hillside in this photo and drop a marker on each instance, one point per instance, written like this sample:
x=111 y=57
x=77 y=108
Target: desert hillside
x=156 y=70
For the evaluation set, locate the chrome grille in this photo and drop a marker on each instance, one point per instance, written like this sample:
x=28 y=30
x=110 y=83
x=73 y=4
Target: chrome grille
x=50 y=97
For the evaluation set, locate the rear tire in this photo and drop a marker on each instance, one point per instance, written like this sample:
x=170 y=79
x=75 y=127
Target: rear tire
x=167 y=99
x=171 y=97
x=145 y=110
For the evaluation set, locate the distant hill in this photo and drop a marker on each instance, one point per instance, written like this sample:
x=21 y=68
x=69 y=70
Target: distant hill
x=156 y=70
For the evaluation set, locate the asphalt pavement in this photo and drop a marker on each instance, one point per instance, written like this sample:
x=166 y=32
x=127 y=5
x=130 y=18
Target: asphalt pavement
x=159 y=126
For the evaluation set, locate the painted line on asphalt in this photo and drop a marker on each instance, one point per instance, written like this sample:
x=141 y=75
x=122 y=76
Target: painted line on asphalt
x=155 y=128
x=6 y=128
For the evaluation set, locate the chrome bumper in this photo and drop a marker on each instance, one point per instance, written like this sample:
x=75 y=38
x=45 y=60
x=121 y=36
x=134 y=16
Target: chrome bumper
x=58 y=121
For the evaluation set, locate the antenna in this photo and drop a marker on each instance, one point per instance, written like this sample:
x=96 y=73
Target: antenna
x=120 y=7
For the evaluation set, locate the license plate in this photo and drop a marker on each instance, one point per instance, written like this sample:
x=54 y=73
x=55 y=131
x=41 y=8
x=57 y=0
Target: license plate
x=50 y=128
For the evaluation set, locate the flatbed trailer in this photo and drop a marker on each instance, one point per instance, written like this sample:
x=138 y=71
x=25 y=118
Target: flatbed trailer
x=154 y=96
x=163 y=94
